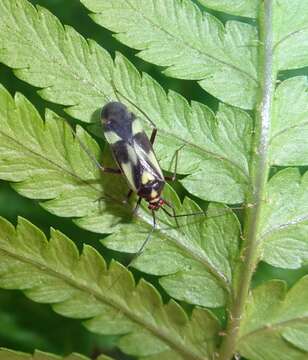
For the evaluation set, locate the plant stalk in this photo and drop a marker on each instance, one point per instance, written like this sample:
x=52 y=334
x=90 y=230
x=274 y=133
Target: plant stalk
x=259 y=171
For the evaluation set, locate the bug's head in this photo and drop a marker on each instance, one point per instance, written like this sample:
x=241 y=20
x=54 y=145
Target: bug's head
x=156 y=204
x=113 y=110
x=151 y=192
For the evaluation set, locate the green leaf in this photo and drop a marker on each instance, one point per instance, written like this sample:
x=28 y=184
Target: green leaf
x=290 y=126
x=73 y=72
x=191 y=44
x=290 y=31
x=65 y=62
x=217 y=148
x=284 y=220
x=80 y=286
x=275 y=322
x=45 y=161
x=6 y=354
x=104 y=357
x=247 y=8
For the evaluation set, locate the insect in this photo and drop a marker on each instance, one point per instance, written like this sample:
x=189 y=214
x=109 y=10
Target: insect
x=133 y=152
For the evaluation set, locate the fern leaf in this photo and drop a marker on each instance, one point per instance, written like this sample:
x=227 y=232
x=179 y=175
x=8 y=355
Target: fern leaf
x=45 y=162
x=288 y=143
x=247 y=8
x=275 y=322
x=290 y=44
x=284 y=220
x=48 y=153
x=82 y=287
x=191 y=44
x=44 y=54
x=78 y=73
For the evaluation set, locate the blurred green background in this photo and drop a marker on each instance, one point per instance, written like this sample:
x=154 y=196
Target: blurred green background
x=26 y=325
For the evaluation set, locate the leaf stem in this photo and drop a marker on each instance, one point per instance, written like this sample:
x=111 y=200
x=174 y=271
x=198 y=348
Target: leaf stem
x=259 y=174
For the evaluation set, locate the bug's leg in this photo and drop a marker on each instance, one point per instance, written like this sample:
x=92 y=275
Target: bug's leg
x=173 y=212
x=111 y=170
x=153 y=136
x=127 y=197
x=142 y=247
x=93 y=158
x=137 y=206
x=176 y=156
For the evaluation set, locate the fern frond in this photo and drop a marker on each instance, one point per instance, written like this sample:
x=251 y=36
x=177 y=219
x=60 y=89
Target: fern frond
x=45 y=161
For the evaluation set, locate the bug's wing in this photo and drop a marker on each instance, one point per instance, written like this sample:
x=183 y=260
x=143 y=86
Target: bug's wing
x=149 y=165
x=138 y=162
x=127 y=161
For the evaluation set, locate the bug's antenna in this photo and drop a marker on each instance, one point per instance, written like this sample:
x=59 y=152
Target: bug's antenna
x=224 y=212
x=87 y=151
x=139 y=252
x=133 y=104
x=146 y=240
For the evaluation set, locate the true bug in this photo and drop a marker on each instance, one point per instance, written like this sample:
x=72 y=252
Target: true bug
x=133 y=152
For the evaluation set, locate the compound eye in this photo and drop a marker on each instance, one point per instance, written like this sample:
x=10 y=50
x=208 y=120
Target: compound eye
x=161 y=202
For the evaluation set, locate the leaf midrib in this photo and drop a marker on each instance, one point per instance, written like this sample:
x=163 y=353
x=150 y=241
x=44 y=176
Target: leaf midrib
x=279 y=133
x=281 y=227
x=181 y=348
x=281 y=41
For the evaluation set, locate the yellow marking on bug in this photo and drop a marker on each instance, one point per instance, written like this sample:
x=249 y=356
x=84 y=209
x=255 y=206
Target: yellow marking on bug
x=132 y=154
x=146 y=177
x=128 y=172
x=154 y=194
x=136 y=127
x=112 y=137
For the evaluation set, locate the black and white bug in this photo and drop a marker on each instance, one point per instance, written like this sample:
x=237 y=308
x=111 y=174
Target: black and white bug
x=133 y=152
